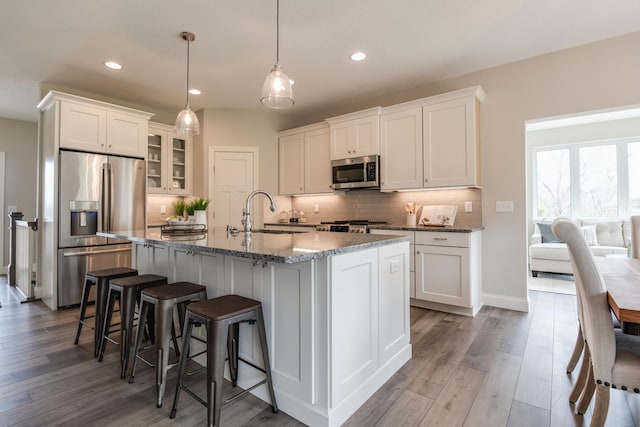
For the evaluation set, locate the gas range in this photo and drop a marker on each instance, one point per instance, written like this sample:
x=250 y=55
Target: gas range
x=348 y=226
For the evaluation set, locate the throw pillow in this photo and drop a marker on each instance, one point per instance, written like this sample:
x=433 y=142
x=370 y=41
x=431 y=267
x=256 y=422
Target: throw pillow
x=547 y=234
x=590 y=236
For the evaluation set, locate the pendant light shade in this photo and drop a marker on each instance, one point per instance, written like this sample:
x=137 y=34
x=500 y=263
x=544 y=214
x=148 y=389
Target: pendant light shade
x=276 y=91
x=187 y=121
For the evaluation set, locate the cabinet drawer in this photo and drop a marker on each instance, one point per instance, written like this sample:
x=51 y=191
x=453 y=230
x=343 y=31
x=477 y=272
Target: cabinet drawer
x=437 y=238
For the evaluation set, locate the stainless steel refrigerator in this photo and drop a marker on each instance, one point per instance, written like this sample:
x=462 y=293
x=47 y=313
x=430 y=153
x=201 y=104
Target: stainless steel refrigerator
x=96 y=193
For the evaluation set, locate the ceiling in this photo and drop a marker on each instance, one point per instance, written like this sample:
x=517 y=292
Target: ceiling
x=409 y=43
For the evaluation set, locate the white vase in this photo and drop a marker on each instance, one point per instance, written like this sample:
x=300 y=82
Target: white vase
x=411 y=220
x=201 y=217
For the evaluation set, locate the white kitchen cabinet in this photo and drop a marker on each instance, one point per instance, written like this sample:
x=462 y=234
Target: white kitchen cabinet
x=401 y=149
x=450 y=143
x=355 y=134
x=99 y=127
x=448 y=271
x=203 y=268
x=169 y=161
x=304 y=161
x=431 y=142
x=412 y=263
x=150 y=259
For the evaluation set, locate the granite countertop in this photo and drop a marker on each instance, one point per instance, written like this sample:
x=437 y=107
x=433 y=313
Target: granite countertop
x=448 y=229
x=284 y=248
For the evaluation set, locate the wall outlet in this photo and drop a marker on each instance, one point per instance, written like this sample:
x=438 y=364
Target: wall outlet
x=316 y=208
x=504 y=206
x=468 y=206
x=163 y=209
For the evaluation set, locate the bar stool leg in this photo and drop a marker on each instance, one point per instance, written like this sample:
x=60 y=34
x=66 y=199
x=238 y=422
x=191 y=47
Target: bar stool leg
x=265 y=357
x=232 y=351
x=164 y=324
x=86 y=290
x=217 y=333
x=139 y=336
x=186 y=343
x=127 y=312
x=102 y=289
x=107 y=322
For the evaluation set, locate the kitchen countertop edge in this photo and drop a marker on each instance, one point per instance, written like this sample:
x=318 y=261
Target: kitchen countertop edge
x=140 y=236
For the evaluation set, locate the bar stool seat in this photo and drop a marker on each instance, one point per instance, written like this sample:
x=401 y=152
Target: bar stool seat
x=127 y=290
x=222 y=317
x=100 y=279
x=163 y=299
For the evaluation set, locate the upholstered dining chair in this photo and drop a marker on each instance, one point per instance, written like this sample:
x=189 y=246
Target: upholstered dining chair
x=615 y=356
x=635 y=236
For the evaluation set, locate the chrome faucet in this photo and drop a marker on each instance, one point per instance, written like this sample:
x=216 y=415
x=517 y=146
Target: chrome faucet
x=246 y=214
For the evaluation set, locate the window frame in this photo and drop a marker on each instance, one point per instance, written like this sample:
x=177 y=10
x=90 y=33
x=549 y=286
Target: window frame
x=622 y=172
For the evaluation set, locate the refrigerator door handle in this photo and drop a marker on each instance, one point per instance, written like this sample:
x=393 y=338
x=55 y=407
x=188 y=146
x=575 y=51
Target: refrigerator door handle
x=106 y=197
x=106 y=251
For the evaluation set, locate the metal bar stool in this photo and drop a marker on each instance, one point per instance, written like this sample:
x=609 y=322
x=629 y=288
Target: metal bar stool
x=100 y=279
x=127 y=290
x=163 y=299
x=222 y=317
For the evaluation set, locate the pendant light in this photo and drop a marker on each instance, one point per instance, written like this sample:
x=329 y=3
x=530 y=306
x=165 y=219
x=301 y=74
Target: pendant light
x=187 y=121
x=276 y=91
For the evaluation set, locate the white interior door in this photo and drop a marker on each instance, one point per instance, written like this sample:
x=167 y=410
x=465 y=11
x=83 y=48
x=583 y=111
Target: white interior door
x=234 y=177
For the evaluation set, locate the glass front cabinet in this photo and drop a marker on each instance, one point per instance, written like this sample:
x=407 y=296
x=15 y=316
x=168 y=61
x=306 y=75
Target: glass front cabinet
x=169 y=159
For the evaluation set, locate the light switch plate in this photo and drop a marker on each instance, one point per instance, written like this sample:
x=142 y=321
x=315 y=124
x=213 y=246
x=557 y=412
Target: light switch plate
x=504 y=206
x=468 y=206
x=163 y=209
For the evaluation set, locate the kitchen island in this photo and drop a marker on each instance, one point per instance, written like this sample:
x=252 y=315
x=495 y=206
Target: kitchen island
x=336 y=307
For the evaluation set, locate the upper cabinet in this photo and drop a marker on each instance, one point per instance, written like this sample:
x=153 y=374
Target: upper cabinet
x=304 y=160
x=432 y=142
x=169 y=161
x=98 y=127
x=355 y=134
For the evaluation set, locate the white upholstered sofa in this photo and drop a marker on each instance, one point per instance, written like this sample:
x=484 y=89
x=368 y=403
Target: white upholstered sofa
x=604 y=237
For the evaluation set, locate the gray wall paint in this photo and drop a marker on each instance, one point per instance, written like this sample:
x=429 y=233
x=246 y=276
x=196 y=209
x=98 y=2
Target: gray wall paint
x=19 y=141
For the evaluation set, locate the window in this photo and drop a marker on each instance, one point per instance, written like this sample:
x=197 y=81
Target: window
x=587 y=179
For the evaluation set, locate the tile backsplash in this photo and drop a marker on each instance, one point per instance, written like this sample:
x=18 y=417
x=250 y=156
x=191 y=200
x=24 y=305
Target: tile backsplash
x=377 y=206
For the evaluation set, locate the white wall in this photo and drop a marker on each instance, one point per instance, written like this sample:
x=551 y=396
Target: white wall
x=591 y=77
x=19 y=141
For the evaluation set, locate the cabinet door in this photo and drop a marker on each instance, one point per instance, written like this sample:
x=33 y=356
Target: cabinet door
x=442 y=275
x=340 y=137
x=366 y=137
x=291 y=165
x=449 y=137
x=126 y=135
x=184 y=265
x=401 y=149
x=355 y=321
x=82 y=127
x=317 y=170
x=141 y=258
x=178 y=164
x=156 y=164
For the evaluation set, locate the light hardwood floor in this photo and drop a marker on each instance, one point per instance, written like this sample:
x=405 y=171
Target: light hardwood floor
x=500 y=368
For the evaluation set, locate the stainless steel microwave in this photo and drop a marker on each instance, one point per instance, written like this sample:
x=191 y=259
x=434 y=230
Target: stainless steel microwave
x=356 y=172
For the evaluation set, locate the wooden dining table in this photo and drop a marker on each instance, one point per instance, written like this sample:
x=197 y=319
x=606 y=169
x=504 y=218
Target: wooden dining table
x=622 y=280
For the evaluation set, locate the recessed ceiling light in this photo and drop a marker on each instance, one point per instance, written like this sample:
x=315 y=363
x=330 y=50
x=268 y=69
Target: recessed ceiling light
x=358 y=56
x=194 y=92
x=113 y=65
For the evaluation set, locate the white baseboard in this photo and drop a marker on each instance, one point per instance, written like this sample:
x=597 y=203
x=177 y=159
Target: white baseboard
x=510 y=303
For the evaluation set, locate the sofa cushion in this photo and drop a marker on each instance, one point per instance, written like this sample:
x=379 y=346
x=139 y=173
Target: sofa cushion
x=554 y=251
x=547 y=234
x=609 y=232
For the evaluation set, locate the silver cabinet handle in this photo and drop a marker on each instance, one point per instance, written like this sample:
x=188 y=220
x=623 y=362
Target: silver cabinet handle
x=440 y=238
x=85 y=253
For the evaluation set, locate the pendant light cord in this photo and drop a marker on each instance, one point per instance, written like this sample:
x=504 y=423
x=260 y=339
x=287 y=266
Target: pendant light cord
x=188 y=44
x=277 y=31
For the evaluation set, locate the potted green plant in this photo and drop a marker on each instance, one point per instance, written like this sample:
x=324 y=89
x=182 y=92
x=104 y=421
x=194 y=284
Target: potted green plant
x=179 y=206
x=199 y=207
